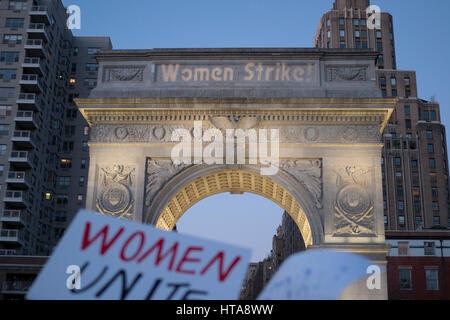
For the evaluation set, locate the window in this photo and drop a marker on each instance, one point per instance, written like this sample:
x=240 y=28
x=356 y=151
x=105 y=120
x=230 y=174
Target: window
x=364 y=44
x=394 y=93
x=357 y=34
x=408 y=124
x=342 y=33
x=92 y=67
x=5 y=110
x=14 y=23
x=398 y=162
x=401 y=207
x=386 y=221
x=358 y=44
x=393 y=81
x=383 y=81
x=84 y=146
x=2 y=169
x=363 y=22
x=384 y=92
x=341 y=21
x=64 y=182
x=401 y=220
x=437 y=221
x=68 y=146
x=430 y=248
x=405 y=279
x=418 y=221
x=380 y=46
x=6 y=56
x=72 y=81
x=75 y=51
x=61 y=216
x=12 y=38
x=6 y=92
x=66 y=163
x=93 y=50
x=385 y=207
x=81 y=181
x=328 y=22
x=399 y=191
x=80 y=199
x=2 y=149
x=432 y=279
x=4 y=129
x=83 y=163
x=433 y=115
x=430 y=148
x=356 y=22
x=426 y=115
x=407 y=110
x=414 y=163
x=342 y=45
x=403 y=248
x=378 y=34
x=432 y=163
x=380 y=58
x=8 y=74
x=62 y=199
x=18 y=5
x=436 y=208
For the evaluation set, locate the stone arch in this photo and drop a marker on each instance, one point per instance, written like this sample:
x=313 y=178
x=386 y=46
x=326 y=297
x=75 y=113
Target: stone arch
x=200 y=182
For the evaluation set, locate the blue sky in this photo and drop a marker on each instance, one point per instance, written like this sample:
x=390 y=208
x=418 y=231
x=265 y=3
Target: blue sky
x=421 y=32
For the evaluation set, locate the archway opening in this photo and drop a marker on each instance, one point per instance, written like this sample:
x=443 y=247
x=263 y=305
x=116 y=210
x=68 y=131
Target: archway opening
x=234 y=181
x=243 y=220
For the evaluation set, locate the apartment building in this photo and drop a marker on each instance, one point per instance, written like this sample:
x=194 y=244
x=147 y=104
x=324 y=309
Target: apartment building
x=44 y=155
x=415 y=159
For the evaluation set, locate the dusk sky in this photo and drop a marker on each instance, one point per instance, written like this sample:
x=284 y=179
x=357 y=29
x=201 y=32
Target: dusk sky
x=421 y=33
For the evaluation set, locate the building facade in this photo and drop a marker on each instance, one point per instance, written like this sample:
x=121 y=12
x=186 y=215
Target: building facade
x=44 y=157
x=415 y=159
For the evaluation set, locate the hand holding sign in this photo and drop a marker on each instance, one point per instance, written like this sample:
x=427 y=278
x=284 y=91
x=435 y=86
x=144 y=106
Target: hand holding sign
x=125 y=260
x=315 y=275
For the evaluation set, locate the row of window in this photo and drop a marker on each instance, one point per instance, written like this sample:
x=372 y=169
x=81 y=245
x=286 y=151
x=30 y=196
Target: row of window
x=418 y=220
x=431 y=279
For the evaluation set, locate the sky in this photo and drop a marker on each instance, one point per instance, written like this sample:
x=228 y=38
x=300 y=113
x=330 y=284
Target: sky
x=421 y=34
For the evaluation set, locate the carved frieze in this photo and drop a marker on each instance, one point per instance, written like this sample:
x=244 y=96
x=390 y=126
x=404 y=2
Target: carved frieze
x=354 y=209
x=309 y=174
x=114 y=195
x=154 y=133
x=340 y=73
x=158 y=173
x=123 y=73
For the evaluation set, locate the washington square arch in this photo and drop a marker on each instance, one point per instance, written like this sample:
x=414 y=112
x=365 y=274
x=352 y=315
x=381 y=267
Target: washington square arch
x=325 y=104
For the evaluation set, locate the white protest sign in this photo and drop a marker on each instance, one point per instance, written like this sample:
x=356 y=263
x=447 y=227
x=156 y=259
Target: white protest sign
x=316 y=275
x=110 y=259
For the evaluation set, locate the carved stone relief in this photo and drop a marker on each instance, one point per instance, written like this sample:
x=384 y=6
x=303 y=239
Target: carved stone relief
x=309 y=174
x=354 y=210
x=154 y=133
x=159 y=172
x=346 y=74
x=114 y=195
x=123 y=73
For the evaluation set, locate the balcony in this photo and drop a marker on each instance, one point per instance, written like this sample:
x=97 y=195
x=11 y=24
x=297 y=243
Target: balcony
x=32 y=65
x=18 y=179
x=39 y=14
x=7 y=252
x=12 y=217
x=38 y=31
x=35 y=48
x=24 y=139
x=31 y=83
x=29 y=101
x=26 y=119
x=21 y=159
x=16 y=287
x=11 y=236
x=16 y=198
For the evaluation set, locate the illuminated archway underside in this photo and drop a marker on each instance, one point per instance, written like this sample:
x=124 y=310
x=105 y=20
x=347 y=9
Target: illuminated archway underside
x=235 y=182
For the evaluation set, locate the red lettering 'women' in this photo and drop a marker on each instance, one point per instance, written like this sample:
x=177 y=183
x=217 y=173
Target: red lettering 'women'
x=87 y=242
